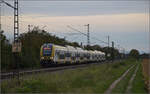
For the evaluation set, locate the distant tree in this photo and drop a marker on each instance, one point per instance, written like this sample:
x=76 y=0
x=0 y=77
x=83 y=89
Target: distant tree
x=3 y=38
x=144 y=55
x=97 y=47
x=6 y=54
x=88 y=47
x=94 y=47
x=75 y=44
x=134 y=53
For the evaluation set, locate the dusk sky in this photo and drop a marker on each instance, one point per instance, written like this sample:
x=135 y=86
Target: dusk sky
x=126 y=22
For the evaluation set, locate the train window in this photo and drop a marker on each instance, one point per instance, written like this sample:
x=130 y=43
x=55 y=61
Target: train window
x=78 y=55
x=47 y=50
x=61 y=56
x=73 y=58
x=57 y=52
x=68 y=54
x=84 y=55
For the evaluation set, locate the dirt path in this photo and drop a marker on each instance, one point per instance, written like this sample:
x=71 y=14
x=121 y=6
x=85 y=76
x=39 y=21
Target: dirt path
x=113 y=85
x=128 y=90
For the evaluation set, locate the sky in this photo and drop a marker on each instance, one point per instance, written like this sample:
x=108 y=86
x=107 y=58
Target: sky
x=126 y=22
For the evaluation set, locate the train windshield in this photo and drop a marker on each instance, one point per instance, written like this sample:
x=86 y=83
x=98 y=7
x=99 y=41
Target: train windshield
x=47 y=50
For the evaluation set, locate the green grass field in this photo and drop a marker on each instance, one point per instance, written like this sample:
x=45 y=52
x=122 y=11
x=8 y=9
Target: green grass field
x=92 y=79
x=122 y=85
x=138 y=83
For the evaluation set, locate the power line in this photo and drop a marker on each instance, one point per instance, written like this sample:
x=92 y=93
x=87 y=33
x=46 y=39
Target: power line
x=99 y=40
x=76 y=30
x=86 y=34
x=2 y=1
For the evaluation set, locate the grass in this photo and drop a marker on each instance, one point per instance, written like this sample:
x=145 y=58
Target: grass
x=122 y=85
x=92 y=79
x=138 y=83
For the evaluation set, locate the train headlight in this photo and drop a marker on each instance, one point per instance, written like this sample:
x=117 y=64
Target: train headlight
x=51 y=57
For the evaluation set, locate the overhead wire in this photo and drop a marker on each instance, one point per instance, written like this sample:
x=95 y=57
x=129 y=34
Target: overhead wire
x=94 y=38
x=86 y=34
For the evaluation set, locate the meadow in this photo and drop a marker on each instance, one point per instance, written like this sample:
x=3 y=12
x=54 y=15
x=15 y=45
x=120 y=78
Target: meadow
x=91 y=79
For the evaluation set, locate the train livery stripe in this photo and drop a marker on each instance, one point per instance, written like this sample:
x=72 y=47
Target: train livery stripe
x=53 y=51
x=41 y=52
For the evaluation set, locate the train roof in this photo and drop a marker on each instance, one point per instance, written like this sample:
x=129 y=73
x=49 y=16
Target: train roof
x=70 y=47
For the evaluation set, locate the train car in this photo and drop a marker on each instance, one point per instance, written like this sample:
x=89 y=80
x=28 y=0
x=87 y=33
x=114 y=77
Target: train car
x=78 y=56
x=72 y=53
x=103 y=56
x=46 y=54
x=59 y=56
x=88 y=56
x=92 y=56
x=54 y=54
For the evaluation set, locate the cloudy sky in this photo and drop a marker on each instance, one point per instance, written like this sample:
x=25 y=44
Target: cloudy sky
x=126 y=22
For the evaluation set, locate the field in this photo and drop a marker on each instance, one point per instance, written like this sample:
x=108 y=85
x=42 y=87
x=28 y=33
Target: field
x=122 y=85
x=146 y=72
x=138 y=83
x=92 y=79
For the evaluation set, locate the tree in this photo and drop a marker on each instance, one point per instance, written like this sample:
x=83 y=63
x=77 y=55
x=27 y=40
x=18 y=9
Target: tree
x=6 y=55
x=144 y=55
x=134 y=53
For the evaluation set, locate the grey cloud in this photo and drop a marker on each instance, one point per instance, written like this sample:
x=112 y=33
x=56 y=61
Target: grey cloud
x=81 y=8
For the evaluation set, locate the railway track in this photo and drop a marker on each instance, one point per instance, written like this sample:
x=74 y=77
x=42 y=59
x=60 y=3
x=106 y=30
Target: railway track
x=51 y=69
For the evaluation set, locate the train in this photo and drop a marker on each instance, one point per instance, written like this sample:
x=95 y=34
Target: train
x=51 y=54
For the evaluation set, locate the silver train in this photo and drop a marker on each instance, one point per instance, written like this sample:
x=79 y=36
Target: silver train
x=55 y=54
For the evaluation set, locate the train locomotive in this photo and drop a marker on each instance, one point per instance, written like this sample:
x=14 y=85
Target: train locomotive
x=54 y=54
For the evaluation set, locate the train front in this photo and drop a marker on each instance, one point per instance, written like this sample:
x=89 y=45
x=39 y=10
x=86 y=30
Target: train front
x=47 y=54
